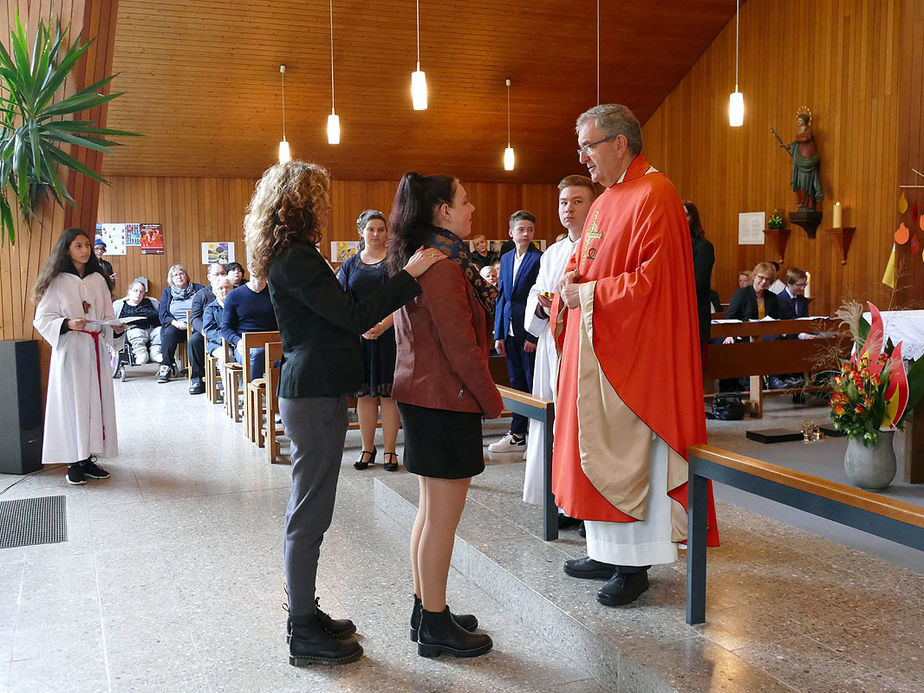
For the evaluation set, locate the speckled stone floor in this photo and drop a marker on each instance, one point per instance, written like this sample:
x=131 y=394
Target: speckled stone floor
x=171 y=580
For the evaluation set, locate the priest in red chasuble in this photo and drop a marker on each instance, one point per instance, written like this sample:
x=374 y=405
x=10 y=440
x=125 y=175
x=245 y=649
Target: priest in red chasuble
x=630 y=392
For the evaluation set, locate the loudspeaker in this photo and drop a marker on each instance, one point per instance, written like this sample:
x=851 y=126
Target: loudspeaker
x=20 y=407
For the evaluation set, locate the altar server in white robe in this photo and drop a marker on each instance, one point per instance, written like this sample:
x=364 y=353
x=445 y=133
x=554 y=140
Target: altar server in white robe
x=73 y=306
x=576 y=193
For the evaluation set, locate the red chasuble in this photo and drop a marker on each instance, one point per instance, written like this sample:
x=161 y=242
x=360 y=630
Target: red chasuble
x=630 y=356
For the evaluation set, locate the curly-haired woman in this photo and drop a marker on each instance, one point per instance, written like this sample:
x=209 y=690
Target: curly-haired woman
x=322 y=361
x=73 y=307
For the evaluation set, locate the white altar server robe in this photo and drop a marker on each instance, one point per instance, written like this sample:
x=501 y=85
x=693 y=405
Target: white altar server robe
x=80 y=418
x=545 y=372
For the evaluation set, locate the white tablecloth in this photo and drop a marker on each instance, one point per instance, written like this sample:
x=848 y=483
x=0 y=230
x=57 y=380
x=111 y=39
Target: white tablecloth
x=905 y=326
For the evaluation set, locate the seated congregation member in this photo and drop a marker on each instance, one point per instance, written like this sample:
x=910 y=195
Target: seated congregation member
x=248 y=308
x=319 y=325
x=518 y=272
x=777 y=285
x=361 y=275
x=792 y=298
x=482 y=256
x=443 y=388
x=235 y=272
x=194 y=349
x=139 y=313
x=176 y=299
x=211 y=318
x=744 y=279
x=489 y=274
x=755 y=302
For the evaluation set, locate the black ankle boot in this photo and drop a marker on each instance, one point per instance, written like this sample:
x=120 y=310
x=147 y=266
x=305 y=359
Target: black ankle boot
x=467 y=621
x=312 y=644
x=340 y=628
x=439 y=633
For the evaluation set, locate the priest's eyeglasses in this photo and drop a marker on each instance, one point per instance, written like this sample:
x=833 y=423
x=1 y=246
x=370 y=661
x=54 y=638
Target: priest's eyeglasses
x=586 y=149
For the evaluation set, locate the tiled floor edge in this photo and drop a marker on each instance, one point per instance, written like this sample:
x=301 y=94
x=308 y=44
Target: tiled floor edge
x=605 y=664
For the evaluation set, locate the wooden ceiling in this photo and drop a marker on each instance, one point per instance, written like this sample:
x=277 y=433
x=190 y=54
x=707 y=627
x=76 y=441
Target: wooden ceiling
x=202 y=81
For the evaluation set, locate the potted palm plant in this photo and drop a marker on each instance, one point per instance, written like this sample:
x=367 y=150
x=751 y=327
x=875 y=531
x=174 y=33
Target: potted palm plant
x=36 y=131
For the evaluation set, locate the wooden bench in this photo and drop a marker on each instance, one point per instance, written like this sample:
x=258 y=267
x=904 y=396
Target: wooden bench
x=884 y=517
x=756 y=358
x=543 y=411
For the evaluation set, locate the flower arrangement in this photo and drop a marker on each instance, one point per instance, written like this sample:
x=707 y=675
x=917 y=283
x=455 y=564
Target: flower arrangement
x=776 y=219
x=871 y=391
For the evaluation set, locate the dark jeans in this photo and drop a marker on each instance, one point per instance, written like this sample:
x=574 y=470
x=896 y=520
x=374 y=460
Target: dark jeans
x=170 y=338
x=317 y=428
x=257 y=362
x=195 y=350
x=520 y=366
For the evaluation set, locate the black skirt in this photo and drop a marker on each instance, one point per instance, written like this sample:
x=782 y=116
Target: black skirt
x=442 y=444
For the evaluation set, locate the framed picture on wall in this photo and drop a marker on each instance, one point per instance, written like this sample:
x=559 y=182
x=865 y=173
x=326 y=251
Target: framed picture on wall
x=341 y=250
x=220 y=251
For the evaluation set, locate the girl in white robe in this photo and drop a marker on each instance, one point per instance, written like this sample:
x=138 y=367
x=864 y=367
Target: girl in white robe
x=73 y=306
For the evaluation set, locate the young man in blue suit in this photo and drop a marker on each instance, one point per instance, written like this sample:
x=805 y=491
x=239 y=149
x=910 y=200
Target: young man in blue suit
x=518 y=270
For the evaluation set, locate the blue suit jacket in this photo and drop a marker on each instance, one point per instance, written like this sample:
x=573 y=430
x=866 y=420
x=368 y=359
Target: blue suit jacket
x=511 y=301
x=792 y=308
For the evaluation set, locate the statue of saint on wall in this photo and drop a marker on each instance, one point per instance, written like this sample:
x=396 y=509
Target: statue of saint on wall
x=805 y=181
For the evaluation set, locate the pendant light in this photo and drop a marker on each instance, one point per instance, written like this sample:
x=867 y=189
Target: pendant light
x=508 y=152
x=736 y=98
x=333 y=120
x=284 y=153
x=418 y=77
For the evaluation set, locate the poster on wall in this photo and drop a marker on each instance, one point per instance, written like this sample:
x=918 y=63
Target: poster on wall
x=341 y=250
x=152 y=239
x=132 y=234
x=751 y=227
x=113 y=235
x=221 y=251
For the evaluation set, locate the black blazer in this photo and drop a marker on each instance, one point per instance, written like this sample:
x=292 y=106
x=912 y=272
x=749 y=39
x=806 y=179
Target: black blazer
x=793 y=306
x=319 y=324
x=703 y=260
x=743 y=305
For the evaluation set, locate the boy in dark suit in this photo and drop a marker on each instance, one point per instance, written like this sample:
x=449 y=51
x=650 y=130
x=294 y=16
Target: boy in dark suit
x=518 y=271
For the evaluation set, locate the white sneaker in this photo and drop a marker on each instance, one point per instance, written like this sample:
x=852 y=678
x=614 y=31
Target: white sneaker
x=508 y=444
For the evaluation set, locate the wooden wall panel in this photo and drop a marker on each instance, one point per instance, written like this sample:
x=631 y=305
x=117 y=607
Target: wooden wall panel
x=20 y=263
x=198 y=210
x=841 y=59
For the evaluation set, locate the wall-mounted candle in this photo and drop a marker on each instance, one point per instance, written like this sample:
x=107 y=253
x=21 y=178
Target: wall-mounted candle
x=808 y=284
x=836 y=216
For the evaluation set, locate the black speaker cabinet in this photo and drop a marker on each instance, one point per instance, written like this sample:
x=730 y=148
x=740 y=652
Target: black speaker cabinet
x=20 y=407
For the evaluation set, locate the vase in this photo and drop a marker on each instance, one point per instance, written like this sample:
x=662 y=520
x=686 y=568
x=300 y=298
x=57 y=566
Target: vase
x=870 y=467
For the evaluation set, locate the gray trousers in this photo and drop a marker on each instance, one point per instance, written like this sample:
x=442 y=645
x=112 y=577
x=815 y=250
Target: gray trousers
x=317 y=428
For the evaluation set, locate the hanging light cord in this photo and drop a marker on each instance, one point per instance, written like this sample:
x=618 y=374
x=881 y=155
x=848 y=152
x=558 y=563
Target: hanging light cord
x=331 y=56
x=598 y=52
x=282 y=74
x=418 y=35
x=737 y=10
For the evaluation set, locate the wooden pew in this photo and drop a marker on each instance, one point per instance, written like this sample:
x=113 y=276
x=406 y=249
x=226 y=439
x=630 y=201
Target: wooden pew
x=251 y=341
x=543 y=410
x=756 y=358
x=884 y=517
x=271 y=429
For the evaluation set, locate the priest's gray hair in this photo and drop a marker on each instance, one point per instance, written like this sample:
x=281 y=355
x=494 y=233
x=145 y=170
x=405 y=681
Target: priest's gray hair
x=614 y=119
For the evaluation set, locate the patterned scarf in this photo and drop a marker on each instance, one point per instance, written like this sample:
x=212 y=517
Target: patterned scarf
x=450 y=245
x=178 y=294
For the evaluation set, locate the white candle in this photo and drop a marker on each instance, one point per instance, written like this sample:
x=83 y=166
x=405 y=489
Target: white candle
x=808 y=284
x=836 y=216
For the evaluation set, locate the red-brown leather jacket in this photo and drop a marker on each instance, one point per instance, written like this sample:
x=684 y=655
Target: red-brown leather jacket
x=442 y=337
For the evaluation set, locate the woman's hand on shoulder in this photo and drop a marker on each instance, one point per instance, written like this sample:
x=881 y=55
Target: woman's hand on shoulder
x=423 y=260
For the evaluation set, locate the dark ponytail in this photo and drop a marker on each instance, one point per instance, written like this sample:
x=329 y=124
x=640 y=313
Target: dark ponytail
x=412 y=214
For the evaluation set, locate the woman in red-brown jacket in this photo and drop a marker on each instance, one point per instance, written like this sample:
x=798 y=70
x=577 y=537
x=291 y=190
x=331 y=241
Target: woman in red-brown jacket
x=443 y=388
